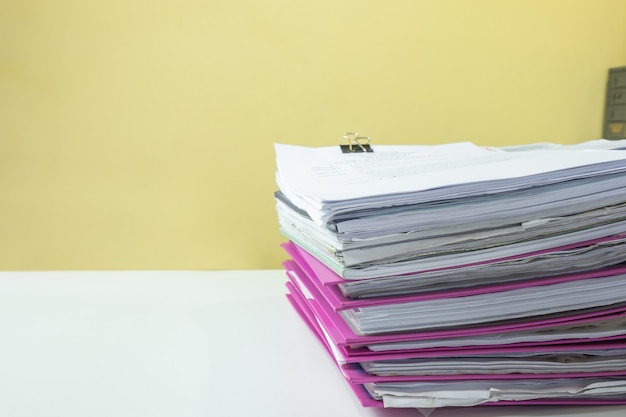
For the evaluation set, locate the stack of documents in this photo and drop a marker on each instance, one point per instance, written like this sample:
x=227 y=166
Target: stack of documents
x=461 y=275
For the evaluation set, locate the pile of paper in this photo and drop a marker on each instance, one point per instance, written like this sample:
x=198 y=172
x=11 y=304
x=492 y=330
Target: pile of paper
x=459 y=275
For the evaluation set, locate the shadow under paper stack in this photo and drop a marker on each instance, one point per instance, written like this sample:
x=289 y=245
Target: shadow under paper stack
x=459 y=275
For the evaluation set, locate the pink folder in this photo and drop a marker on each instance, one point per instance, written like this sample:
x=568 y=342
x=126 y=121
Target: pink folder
x=353 y=372
x=355 y=377
x=363 y=354
x=351 y=344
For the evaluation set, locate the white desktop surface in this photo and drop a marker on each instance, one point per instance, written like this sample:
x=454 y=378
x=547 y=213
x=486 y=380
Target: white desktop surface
x=176 y=344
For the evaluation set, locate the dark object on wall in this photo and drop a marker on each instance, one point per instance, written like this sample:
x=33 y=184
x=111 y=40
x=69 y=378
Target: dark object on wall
x=615 y=111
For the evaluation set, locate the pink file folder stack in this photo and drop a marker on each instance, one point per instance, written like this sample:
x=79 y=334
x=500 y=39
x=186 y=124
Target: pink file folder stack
x=526 y=309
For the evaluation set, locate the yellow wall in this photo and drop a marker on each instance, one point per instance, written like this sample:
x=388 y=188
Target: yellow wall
x=138 y=134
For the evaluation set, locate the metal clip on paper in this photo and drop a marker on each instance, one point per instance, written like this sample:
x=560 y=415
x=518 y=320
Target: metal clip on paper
x=356 y=143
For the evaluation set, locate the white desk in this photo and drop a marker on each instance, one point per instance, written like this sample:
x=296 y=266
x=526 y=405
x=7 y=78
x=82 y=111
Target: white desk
x=175 y=344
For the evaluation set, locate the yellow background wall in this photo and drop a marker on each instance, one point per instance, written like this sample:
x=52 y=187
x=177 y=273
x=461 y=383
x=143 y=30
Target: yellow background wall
x=138 y=134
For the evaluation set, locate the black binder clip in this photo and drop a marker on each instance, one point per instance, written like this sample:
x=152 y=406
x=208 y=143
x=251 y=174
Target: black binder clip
x=356 y=143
